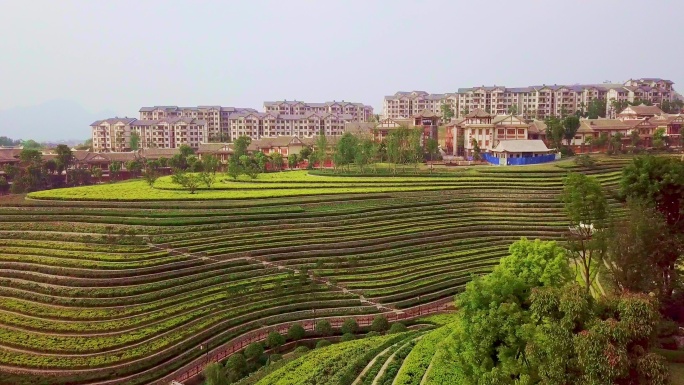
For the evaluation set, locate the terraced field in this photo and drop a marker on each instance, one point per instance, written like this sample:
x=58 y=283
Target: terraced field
x=107 y=292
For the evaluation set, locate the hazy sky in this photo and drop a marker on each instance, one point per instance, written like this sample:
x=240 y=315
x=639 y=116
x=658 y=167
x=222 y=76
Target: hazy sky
x=120 y=55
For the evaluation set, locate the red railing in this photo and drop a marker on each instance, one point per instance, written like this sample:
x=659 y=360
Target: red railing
x=220 y=353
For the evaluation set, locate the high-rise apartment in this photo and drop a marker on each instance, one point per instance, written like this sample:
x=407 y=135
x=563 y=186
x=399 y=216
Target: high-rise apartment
x=532 y=102
x=167 y=132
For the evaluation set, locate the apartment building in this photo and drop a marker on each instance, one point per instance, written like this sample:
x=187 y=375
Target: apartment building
x=169 y=132
x=358 y=111
x=216 y=117
x=404 y=105
x=273 y=124
x=112 y=134
x=539 y=101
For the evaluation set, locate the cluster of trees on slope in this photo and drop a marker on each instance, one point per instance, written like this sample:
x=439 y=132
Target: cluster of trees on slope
x=34 y=174
x=530 y=322
x=255 y=357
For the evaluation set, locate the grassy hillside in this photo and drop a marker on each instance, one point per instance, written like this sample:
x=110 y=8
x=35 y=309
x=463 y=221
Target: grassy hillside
x=130 y=290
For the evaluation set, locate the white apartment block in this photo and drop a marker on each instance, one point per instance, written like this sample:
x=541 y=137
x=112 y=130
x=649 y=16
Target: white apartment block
x=404 y=105
x=359 y=112
x=115 y=134
x=531 y=102
x=111 y=134
x=216 y=117
x=259 y=125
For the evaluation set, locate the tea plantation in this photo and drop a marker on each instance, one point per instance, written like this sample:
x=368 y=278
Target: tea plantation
x=121 y=283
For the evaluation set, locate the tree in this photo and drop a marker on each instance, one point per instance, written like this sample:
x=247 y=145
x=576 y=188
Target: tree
x=321 y=150
x=634 y=138
x=97 y=173
x=447 y=112
x=8 y=142
x=277 y=160
x=432 y=147
x=134 y=167
x=615 y=143
x=581 y=341
x=186 y=150
x=555 y=131
x=364 y=154
x=178 y=162
x=261 y=160
x=296 y=332
x=64 y=159
x=208 y=178
x=380 y=324
x=274 y=340
x=322 y=343
x=570 y=125
x=349 y=326
x=50 y=165
x=236 y=367
x=324 y=328
x=494 y=317
x=345 y=150
x=150 y=175
x=347 y=337
x=135 y=141
x=587 y=210
x=211 y=164
x=4 y=185
x=596 y=109
x=240 y=146
x=215 y=374
x=304 y=153
x=659 y=139
x=585 y=161
x=234 y=169
x=114 y=169
x=188 y=180
x=397 y=327
x=28 y=155
x=658 y=181
x=642 y=253
x=415 y=150
x=31 y=145
x=292 y=160
x=602 y=140
x=477 y=156
x=393 y=150
x=513 y=110
x=253 y=351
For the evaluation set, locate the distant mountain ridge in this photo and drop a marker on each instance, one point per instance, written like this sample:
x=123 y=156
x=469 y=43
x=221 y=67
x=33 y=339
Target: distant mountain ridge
x=52 y=121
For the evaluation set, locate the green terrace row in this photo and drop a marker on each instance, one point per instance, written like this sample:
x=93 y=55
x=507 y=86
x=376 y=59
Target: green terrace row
x=171 y=329
x=151 y=359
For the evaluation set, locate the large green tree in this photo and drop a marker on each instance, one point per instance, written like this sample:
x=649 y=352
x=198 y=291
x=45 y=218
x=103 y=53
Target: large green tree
x=642 y=252
x=587 y=210
x=345 y=150
x=577 y=340
x=447 y=113
x=570 y=126
x=215 y=374
x=596 y=109
x=240 y=146
x=432 y=148
x=495 y=321
x=135 y=141
x=555 y=131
